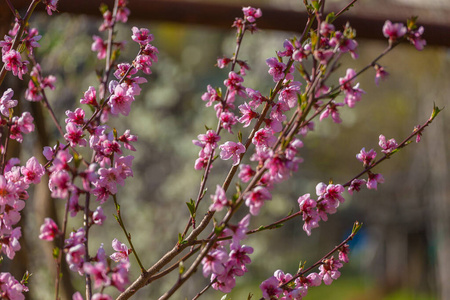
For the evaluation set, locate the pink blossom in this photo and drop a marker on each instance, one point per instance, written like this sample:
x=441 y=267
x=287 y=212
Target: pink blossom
x=394 y=31
x=366 y=157
x=90 y=97
x=122 y=12
x=214 y=262
x=10 y=242
x=234 y=83
x=343 y=253
x=246 y=172
x=74 y=206
x=33 y=93
x=323 y=56
x=98 y=272
x=151 y=51
x=141 y=36
x=380 y=74
x=119 y=277
x=387 y=146
x=99 y=46
x=329 y=270
x=352 y=94
x=13 y=62
x=10 y=214
x=74 y=135
x=143 y=62
x=211 y=95
x=255 y=199
x=355 y=185
x=7 y=43
x=109 y=178
x=331 y=192
x=11 y=288
x=326 y=28
x=256 y=97
x=289 y=94
x=276 y=68
x=310 y=215
x=232 y=150
x=59 y=184
x=415 y=37
x=123 y=165
x=25 y=122
x=373 y=181
x=120 y=100
x=101 y=296
x=247 y=114
x=75 y=258
x=239 y=256
x=33 y=171
x=251 y=13
x=207 y=141
x=289 y=49
x=7 y=191
x=226 y=281
x=228 y=119
x=219 y=199
x=107 y=21
x=98 y=217
x=280 y=167
x=344 y=43
x=239 y=232
x=223 y=62
x=122 y=251
x=331 y=109
x=270 y=289
x=6 y=102
x=50 y=6
x=76 y=116
x=127 y=138
x=264 y=138
x=100 y=192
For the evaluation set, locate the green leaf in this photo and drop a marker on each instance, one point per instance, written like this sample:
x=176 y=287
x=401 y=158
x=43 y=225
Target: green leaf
x=181 y=268
x=191 y=207
x=77 y=158
x=240 y=136
x=315 y=5
x=330 y=18
x=181 y=241
x=436 y=111
x=411 y=23
x=314 y=40
x=55 y=253
x=356 y=227
x=25 y=277
x=103 y=8
x=270 y=93
x=218 y=229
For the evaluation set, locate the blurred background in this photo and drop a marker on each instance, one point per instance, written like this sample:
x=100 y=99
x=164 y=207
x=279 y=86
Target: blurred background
x=402 y=252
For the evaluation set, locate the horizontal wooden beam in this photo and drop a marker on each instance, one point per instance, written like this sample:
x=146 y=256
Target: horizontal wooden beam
x=221 y=15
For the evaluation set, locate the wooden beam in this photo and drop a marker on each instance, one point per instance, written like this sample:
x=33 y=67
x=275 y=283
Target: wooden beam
x=222 y=15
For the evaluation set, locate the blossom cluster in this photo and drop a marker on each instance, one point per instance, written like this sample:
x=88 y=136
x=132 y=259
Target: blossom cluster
x=277 y=141
x=223 y=265
x=285 y=286
x=278 y=123
x=108 y=169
